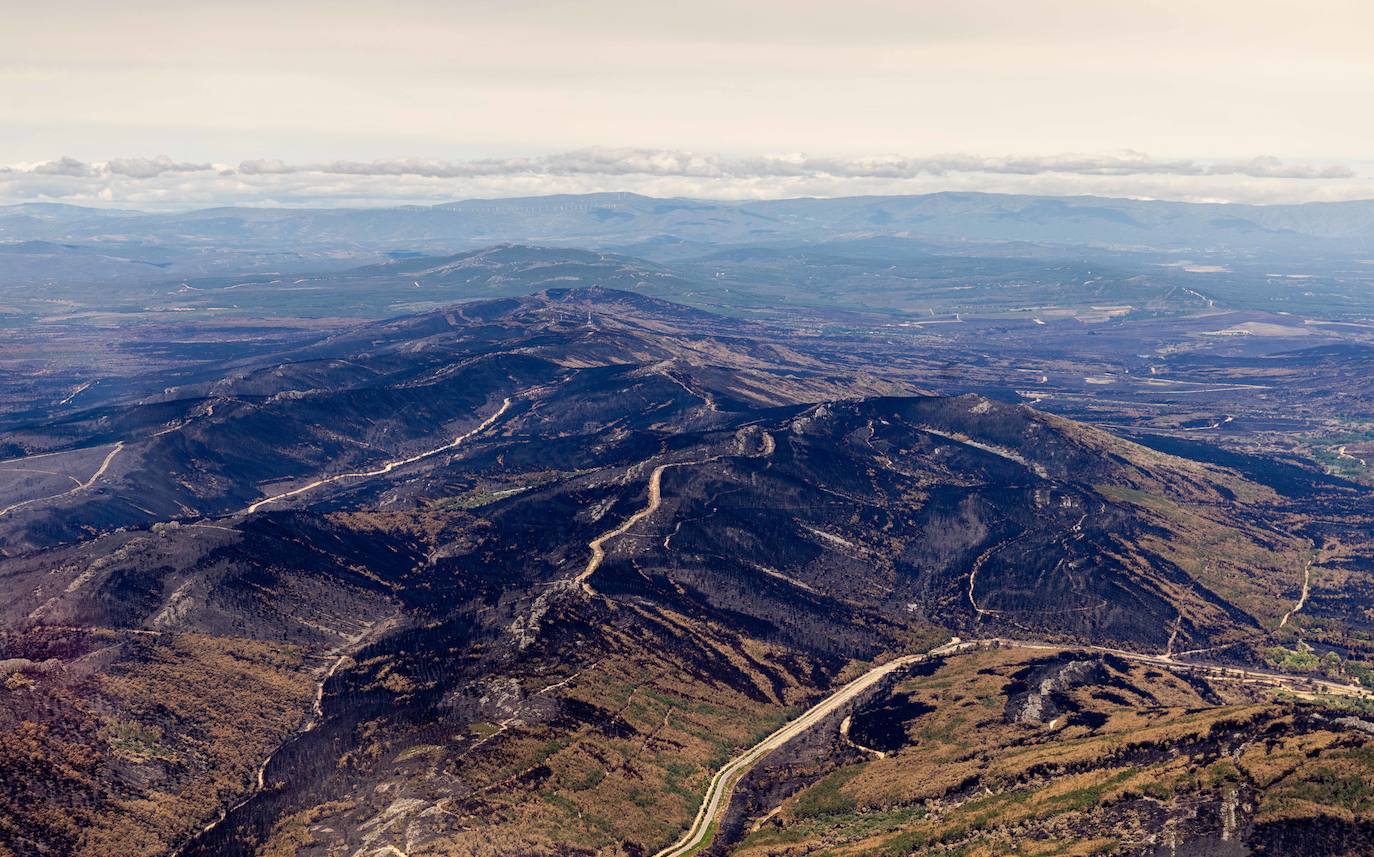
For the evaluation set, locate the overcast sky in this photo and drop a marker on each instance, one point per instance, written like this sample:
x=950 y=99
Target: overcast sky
x=1206 y=99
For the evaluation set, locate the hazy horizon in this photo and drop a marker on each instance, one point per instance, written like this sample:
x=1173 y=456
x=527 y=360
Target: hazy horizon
x=158 y=104
x=351 y=202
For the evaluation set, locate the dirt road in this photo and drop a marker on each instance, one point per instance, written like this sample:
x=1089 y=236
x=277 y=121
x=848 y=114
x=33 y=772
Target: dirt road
x=385 y=468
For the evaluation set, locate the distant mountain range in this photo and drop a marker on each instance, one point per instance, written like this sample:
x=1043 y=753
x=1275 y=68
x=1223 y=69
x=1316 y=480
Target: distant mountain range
x=974 y=254
x=653 y=227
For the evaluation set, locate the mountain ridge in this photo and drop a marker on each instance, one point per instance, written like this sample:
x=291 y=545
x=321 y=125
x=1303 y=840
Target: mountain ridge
x=501 y=565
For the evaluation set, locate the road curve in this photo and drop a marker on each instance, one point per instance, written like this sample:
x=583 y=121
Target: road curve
x=655 y=499
x=1302 y=598
x=722 y=784
x=80 y=486
x=598 y=544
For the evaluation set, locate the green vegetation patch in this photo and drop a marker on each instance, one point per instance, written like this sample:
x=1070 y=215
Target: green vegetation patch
x=1291 y=660
x=826 y=797
x=1327 y=787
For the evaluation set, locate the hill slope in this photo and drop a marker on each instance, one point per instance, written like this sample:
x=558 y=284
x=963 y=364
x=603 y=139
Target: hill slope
x=517 y=575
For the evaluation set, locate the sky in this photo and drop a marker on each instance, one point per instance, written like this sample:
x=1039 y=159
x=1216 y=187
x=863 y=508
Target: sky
x=147 y=103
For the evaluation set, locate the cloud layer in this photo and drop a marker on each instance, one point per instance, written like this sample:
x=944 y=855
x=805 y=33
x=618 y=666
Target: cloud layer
x=649 y=162
x=163 y=182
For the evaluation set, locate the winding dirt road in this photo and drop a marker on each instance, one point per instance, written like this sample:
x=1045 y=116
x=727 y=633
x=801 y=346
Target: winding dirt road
x=598 y=544
x=385 y=468
x=1302 y=598
x=80 y=486
x=341 y=655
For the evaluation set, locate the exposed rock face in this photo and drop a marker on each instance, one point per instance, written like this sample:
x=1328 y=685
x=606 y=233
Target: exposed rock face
x=1356 y=723
x=1045 y=700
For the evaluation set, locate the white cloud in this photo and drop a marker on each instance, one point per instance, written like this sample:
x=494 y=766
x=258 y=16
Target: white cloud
x=63 y=166
x=164 y=183
x=1266 y=167
x=661 y=162
x=146 y=168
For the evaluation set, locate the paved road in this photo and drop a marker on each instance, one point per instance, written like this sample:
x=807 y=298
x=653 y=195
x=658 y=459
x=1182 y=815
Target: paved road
x=723 y=783
x=718 y=792
x=1272 y=678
